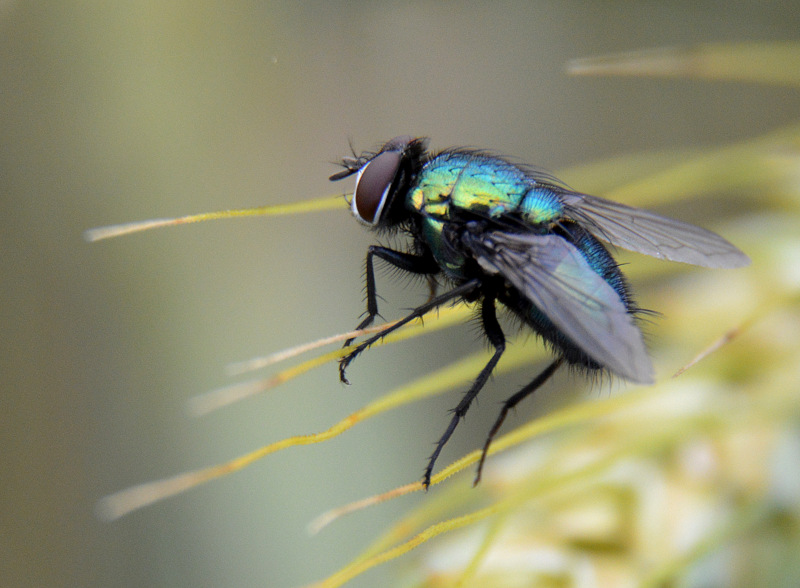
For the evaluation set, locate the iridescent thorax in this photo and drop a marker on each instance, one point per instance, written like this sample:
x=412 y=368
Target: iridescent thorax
x=455 y=184
x=458 y=181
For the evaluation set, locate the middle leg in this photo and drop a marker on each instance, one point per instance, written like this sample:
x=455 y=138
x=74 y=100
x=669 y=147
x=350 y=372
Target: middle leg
x=496 y=337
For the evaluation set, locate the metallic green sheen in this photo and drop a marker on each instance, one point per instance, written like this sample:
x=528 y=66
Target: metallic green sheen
x=478 y=184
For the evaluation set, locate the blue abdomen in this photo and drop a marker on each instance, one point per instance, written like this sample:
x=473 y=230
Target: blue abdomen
x=602 y=263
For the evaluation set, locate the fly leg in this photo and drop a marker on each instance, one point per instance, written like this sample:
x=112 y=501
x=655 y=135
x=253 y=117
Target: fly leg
x=496 y=337
x=435 y=302
x=511 y=403
x=415 y=264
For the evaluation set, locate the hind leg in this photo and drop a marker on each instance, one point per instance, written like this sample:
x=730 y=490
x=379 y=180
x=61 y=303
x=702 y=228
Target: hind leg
x=511 y=403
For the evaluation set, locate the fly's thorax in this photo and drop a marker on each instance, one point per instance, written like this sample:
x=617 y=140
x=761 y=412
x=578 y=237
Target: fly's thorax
x=541 y=205
x=478 y=185
x=447 y=257
x=431 y=194
x=455 y=186
x=429 y=200
x=488 y=193
x=454 y=181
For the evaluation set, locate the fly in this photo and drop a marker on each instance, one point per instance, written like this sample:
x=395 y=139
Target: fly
x=497 y=232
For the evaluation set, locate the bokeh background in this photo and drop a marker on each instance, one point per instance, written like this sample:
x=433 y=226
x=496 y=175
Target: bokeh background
x=114 y=112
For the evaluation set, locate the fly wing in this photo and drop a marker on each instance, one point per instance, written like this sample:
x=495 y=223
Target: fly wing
x=556 y=278
x=650 y=233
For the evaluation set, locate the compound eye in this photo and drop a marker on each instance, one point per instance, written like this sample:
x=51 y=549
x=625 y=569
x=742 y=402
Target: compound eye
x=372 y=186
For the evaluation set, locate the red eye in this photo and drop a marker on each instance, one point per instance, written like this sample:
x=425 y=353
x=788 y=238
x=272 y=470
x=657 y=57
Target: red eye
x=372 y=186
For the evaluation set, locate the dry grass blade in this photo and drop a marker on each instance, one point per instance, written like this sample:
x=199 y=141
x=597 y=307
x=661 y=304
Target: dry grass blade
x=316 y=205
x=765 y=63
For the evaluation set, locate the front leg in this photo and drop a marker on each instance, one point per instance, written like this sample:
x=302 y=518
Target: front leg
x=416 y=264
x=465 y=289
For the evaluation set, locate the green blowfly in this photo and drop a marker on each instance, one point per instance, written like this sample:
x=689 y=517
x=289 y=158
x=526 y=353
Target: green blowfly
x=495 y=231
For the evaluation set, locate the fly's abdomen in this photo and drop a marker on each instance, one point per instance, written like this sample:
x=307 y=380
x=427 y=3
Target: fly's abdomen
x=603 y=264
x=599 y=259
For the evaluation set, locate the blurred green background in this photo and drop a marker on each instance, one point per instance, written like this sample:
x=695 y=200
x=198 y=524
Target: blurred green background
x=114 y=112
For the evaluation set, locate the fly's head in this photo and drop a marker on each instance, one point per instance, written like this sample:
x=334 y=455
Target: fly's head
x=383 y=180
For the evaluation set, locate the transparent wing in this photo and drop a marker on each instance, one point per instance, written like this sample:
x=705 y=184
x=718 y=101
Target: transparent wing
x=553 y=275
x=650 y=233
